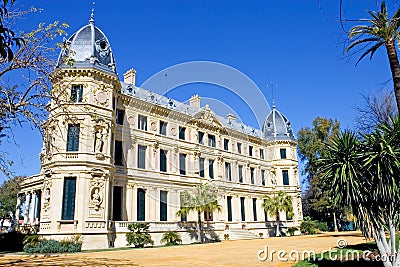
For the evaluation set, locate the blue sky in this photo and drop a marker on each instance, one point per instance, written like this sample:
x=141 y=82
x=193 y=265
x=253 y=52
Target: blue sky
x=296 y=45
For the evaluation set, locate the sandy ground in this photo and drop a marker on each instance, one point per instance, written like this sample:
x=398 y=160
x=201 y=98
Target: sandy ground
x=226 y=253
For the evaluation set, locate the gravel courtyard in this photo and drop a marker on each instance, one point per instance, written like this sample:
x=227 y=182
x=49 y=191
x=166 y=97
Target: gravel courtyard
x=226 y=253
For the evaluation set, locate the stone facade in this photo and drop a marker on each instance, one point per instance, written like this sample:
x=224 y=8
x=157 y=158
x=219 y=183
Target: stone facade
x=115 y=153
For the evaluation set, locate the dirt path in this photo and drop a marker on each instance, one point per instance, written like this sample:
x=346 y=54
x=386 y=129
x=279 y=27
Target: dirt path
x=226 y=253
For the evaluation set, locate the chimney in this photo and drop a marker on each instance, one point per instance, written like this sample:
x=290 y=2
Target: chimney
x=130 y=76
x=195 y=101
x=231 y=117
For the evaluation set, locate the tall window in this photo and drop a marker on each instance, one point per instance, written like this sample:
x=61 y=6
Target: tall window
x=120 y=116
x=261 y=153
x=182 y=131
x=262 y=177
x=141 y=159
x=250 y=151
x=68 y=206
x=141 y=204
x=211 y=140
x=163 y=206
x=239 y=148
x=183 y=216
x=255 y=209
x=182 y=164
x=228 y=172
x=163 y=160
x=142 y=122
x=118 y=155
x=201 y=166
x=201 y=136
x=285 y=175
x=163 y=128
x=226 y=144
x=283 y=153
x=208 y=216
x=117 y=203
x=229 y=207
x=242 y=209
x=252 y=175
x=240 y=172
x=76 y=93
x=211 y=168
x=73 y=137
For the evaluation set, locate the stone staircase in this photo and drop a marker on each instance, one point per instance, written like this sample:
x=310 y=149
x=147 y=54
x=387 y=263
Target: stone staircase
x=238 y=234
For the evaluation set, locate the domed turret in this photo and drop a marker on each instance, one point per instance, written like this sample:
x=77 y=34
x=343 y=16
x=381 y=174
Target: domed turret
x=88 y=47
x=277 y=126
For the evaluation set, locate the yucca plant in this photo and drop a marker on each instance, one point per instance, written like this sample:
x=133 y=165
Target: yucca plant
x=171 y=238
x=364 y=174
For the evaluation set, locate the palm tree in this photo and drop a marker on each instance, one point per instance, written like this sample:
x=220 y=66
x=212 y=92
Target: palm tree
x=274 y=205
x=363 y=174
x=380 y=30
x=204 y=199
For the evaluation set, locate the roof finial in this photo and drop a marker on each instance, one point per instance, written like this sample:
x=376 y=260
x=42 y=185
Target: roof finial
x=272 y=88
x=92 y=15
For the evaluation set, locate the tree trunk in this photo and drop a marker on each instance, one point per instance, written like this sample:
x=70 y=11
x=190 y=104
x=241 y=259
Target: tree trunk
x=395 y=69
x=199 y=234
x=334 y=222
x=382 y=246
x=277 y=226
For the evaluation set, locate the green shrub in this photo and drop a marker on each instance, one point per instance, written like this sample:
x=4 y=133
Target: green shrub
x=322 y=226
x=308 y=226
x=291 y=230
x=40 y=245
x=32 y=239
x=171 y=238
x=139 y=235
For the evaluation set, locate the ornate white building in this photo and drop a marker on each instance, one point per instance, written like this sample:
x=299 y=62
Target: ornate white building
x=115 y=153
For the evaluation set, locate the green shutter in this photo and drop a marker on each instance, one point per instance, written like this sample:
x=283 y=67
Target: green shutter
x=229 y=206
x=141 y=204
x=182 y=164
x=141 y=157
x=73 y=137
x=211 y=168
x=242 y=210
x=201 y=167
x=163 y=206
x=255 y=209
x=163 y=160
x=285 y=175
x=68 y=207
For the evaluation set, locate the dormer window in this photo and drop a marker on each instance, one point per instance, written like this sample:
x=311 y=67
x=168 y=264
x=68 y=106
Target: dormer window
x=76 y=93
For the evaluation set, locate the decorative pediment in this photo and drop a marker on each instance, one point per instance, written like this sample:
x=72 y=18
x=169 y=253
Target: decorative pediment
x=207 y=116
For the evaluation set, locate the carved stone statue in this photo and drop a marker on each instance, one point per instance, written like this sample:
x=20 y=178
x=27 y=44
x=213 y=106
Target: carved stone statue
x=99 y=141
x=46 y=199
x=96 y=197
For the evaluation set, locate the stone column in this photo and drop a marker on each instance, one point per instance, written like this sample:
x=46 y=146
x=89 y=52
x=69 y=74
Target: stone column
x=223 y=215
x=151 y=202
x=27 y=204
x=17 y=210
x=32 y=208
x=236 y=211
